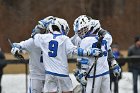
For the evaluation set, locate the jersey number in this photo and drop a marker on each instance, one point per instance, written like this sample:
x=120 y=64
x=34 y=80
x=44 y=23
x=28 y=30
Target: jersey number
x=53 y=46
x=104 y=43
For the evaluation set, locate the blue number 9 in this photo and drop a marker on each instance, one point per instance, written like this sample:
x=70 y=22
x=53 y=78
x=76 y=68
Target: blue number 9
x=53 y=47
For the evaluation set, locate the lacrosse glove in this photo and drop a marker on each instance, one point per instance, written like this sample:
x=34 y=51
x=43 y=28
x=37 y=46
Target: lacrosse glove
x=80 y=76
x=116 y=68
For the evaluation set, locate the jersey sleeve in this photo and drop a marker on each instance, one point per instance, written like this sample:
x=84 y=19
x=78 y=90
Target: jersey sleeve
x=108 y=38
x=70 y=48
x=76 y=40
x=27 y=44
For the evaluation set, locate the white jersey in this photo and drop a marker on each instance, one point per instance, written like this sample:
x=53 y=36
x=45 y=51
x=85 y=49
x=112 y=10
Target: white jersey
x=36 y=67
x=108 y=38
x=102 y=63
x=56 y=48
x=76 y=40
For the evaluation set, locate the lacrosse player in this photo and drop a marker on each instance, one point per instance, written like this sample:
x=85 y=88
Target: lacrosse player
x=36 y=67
x=56 y=46
x=90 y=31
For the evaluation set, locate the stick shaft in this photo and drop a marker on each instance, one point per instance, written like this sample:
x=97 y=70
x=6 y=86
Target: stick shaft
x=11 y=44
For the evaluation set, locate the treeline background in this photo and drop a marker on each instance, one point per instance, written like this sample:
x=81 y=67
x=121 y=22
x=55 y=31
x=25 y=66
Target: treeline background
x=120 y=17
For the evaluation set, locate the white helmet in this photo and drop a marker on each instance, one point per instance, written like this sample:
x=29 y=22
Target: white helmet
x=65 y=26
x=94 y=25
x=81 y=25
x=61 y=24
x=45 y=22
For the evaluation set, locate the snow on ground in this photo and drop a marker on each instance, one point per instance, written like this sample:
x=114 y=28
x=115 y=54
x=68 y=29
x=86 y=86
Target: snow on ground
x=15 y=83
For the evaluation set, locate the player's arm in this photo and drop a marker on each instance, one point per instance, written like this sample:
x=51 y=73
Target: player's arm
x=114 y=65
x=16 y=51
x=22 y=47
x=76 y=40
x=74 y=50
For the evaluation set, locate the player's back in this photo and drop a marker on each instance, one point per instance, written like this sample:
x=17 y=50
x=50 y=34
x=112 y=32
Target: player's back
x=55 y=48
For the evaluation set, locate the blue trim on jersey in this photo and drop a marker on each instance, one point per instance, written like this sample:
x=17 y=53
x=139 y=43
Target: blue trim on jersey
x=56 y=74
x=105 y=73
x=55 y=35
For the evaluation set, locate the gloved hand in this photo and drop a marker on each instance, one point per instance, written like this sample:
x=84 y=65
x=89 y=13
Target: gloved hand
x=116 y=68
x=80 y=76
x=15 y=50
x=42 y=26
x=46 y=21
x=35 y=31
x=94 y=52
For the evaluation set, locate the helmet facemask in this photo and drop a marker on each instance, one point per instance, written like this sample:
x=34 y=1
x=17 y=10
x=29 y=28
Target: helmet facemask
x=82 y=26
x=82 y=32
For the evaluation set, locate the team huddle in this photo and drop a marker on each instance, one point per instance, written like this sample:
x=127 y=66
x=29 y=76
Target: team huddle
x=50 y=46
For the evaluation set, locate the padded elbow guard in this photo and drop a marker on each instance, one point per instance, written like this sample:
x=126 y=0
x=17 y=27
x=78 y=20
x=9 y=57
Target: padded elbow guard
x=110 y=55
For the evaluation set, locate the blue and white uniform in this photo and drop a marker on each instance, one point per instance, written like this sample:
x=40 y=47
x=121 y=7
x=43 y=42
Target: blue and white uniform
x=56 y=48
x=36 y=67
x=102 y=80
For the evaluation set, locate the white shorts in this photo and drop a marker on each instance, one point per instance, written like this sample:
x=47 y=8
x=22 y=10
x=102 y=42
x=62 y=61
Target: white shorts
x=102 y=84
x=35 y=85
x=57 y=83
